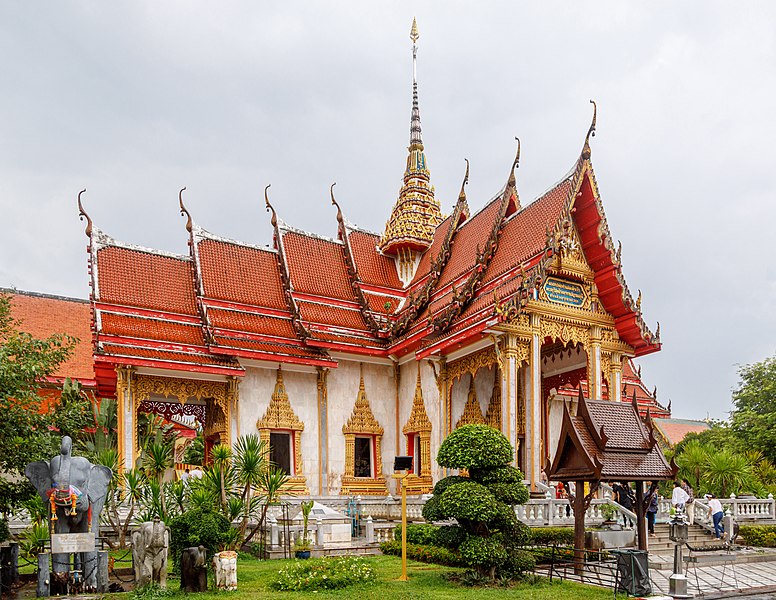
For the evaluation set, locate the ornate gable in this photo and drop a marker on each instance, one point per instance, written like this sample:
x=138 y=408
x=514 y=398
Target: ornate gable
x=493 y=415
x=472 y=413
x=362 y=420
x=279 y=413
x=419 y=421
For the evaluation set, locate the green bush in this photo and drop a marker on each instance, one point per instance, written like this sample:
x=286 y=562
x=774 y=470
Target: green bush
x=324 y=574
x=424 y=553
x=552 y=536
x=195 y=527
x=431 y=509
x=474 y=447
x=445 y=483
x=518 y=536
x=763 y=536
x=505 y=518
x=517 y=563
x=483 y=551
x=450 y=536
x=151 y=591
x=422 y=534
x=502 y=474
x=509 y=493
x=469 y=500
x=546 y=554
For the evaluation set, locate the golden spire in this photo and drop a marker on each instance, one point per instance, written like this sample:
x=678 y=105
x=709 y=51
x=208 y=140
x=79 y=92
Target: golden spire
x=416 y=214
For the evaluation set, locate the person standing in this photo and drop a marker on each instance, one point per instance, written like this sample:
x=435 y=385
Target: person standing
x=625 y=499
x=652 y=508
x=185 y=477
x=691 y=498
x=679 y=498
x=716 y=513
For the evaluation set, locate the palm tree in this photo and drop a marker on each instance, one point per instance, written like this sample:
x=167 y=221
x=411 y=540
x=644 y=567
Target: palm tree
x=271 y=484
x=728 y=472
x=222 y=458
x=158 y=458
x=250 y=461
x=693 y=460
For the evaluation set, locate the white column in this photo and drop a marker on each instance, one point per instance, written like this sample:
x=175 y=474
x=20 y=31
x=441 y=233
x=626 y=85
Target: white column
x=594 y=358
x=533 y=417
x=615 y=378
x=129 y=423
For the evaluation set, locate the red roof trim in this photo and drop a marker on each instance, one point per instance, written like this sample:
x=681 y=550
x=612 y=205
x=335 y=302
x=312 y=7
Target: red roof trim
x=255 y=337
x=155 y=344
x=282 y=358
x=245 y=308
x=144 y=312
x=327 y=301
x=163 y=364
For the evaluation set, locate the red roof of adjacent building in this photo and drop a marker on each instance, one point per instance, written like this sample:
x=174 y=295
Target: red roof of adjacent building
x=674 y=431
x=42 y=316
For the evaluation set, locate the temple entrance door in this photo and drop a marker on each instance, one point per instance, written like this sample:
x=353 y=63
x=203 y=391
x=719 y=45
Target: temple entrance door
x=167 y=421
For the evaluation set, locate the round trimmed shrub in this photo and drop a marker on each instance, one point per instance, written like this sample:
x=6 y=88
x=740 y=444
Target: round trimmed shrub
x=450 y=536
x=469 y=500
x=483 y=551
x=445 y=483
x=474 y=447
x=505 y=518
x=432 y=511
x=502 y=474
x=195 y=527
x=509 y=493
x=517 y=563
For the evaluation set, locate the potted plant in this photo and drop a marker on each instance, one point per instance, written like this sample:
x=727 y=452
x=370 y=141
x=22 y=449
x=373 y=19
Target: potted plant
x=302 y=548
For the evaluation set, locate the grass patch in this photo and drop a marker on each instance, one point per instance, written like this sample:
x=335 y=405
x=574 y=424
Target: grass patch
x=254 y=578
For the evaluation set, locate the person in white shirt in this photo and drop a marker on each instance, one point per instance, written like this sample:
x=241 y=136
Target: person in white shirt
x=679 y=497
x=716 y=513
x=196 y=473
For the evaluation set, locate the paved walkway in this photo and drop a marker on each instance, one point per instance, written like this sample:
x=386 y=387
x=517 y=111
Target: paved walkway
x=724 y=580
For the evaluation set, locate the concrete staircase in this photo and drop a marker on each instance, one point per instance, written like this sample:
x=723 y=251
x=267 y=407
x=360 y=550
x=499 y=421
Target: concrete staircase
x=661 y=548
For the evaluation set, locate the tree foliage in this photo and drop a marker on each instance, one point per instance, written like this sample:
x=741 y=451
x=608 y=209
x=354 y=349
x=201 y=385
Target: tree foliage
x=754 y=417
x=25 y=362
x=482 y=503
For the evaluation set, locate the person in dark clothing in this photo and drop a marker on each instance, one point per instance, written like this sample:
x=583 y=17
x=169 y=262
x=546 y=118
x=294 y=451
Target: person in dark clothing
x=625 y=499
x=652 y=507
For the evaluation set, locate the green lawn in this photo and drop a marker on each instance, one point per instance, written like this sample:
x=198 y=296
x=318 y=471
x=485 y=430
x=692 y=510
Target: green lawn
x=426 y=581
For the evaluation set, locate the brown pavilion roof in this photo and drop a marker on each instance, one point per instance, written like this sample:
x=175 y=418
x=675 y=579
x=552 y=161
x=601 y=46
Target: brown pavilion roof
x=608 y=441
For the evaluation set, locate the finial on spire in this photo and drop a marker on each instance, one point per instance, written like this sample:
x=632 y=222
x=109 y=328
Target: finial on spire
x=82 y=215
x=274 y=219
x=414 y=35
x=415 y=136
x=334 y=202
x=464 y=183
x=590 y=132
x=515 y=164
x=184 y=211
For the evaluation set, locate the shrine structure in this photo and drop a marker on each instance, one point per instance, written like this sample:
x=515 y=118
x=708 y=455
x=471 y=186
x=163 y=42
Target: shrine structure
x=343 y=353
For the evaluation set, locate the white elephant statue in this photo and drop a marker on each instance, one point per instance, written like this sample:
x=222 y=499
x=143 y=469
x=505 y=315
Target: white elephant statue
x=150 y=544
x=225 y=569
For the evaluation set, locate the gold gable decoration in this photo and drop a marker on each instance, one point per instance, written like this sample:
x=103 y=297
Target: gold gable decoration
x=280 y=416
x=493 y=415
x=362 y=422
x=419 y=424
x=472 y=413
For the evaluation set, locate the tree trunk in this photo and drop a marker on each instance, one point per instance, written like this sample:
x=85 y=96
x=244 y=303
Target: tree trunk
x=641 y=522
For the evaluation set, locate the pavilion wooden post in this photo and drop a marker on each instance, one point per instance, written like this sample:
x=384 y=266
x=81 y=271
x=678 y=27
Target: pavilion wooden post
x=579 y=527
x=641 y=522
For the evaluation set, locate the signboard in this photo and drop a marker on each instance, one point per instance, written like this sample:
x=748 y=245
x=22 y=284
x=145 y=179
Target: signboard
x=65 y=543
x=564 y=292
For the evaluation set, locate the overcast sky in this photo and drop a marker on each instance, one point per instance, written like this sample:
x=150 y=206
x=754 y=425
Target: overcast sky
x=136 y=100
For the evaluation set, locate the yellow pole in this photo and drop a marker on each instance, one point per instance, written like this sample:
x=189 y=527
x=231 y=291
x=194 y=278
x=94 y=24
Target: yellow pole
x=401 y=478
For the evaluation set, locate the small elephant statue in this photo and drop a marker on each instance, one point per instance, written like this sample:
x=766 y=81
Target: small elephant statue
x=76 y=491
x=149 y=553
x=225 y=568
x=194 y=569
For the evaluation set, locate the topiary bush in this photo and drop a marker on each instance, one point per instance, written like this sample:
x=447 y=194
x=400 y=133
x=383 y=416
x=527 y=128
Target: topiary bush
x=482 y=503
x=475 y=447
x=198 y=527
x=425 y=553
x=551 y=536
x=763 y=536
x=420 y=533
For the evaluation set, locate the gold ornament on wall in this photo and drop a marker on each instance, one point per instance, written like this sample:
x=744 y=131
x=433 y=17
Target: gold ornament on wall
x=472 y=413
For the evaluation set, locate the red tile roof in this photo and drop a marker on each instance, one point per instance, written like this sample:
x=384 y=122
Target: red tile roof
x=675 y=430
x=268 y=348
x=168 y=356
x=251 y=323
x=235 y=273
x=42 y=316
x=332 y=315
x=373 y=268
x=424 y=266
x=150 y=329
x=154 y=281
x=317 y=266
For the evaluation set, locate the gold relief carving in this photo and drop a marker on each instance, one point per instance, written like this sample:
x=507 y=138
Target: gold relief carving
x=471 y=364
x=182 y=389
x=472 y=413
x=565 y=332
x=362 y=421
x=123 y=375
x=606 y=367
x=493 y=414
x=418 y=421
x=280 y=416
x=520 y=409
x=279 y=413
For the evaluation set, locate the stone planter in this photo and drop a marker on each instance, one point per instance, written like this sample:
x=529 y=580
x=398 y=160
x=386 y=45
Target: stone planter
x=604 y=539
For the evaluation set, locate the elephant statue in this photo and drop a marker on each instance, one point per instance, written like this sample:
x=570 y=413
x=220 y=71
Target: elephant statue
x=225 y=568
x=194 y=569
x=149 y=552
x=76 y=490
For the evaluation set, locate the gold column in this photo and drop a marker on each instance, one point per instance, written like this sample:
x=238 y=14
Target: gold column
x=594 y=363
x=533 y=435
x=122 y=399
x=323 y=431
x=615 y=377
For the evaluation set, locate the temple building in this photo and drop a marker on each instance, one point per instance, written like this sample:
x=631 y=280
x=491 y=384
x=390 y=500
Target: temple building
x=343 y=353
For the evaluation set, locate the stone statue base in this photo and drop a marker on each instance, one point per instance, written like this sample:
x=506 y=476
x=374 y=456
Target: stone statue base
x=225 y=566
